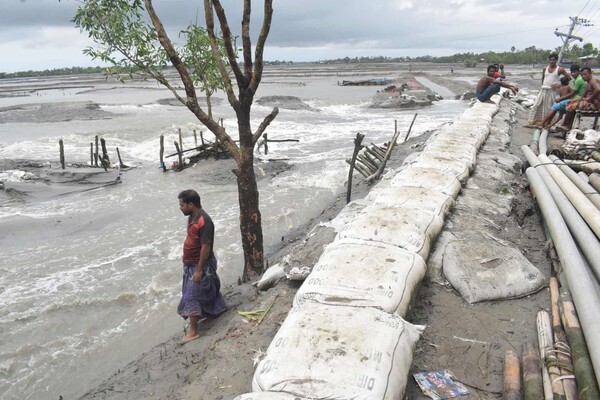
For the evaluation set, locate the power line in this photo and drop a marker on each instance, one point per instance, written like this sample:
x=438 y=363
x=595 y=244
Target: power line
x=511 y=33
x=588 y=2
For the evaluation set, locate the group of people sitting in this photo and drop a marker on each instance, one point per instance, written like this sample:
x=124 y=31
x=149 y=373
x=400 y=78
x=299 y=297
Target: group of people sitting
x=562 y=92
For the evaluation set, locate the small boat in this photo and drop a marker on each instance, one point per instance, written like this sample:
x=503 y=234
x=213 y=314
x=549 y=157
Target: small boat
x=368 y=82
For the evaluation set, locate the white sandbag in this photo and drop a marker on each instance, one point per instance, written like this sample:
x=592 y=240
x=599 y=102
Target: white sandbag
x=270 y=277
x=433 y=179
x=412 y=197
x=339 y=352
x=348 y=213
x=363 y=274
x=413 y=230
x=459 y=169
x=268 y=396
x=466 y=157
x=453 y=146
x=479 y=269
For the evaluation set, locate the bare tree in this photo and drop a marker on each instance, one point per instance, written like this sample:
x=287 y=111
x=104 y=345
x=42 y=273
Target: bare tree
x=120 y=27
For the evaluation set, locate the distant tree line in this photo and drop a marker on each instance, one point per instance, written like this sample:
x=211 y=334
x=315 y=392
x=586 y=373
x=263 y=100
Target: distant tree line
x=52 y=72
x=529 y=55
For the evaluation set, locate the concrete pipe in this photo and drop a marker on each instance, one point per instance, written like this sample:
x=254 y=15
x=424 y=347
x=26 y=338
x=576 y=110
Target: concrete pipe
x=586 y=208
x=585 y=188
x=582 y=233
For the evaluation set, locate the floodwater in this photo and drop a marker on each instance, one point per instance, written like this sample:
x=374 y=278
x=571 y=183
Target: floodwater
x=90 y=279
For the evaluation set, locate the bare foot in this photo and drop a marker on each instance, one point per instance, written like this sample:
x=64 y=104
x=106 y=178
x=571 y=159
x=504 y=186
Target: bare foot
x=187 y=338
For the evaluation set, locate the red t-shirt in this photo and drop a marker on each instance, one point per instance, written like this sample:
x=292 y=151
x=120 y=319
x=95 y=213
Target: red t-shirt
x=199 y=233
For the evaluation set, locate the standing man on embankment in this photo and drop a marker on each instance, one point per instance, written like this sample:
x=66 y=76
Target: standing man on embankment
x=201 y=297
x=488 y=85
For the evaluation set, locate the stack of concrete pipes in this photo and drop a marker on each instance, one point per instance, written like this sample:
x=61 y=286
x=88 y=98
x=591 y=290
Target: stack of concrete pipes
x=346 y=337
x=571 y=209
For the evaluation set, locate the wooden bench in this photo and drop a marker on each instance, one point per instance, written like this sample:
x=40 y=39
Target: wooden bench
x=579 y=114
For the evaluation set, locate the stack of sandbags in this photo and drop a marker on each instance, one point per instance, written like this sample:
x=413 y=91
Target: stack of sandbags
x=345 y=336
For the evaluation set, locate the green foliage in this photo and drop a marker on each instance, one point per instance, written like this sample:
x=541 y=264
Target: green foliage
x=197 y=55
x=126 y=40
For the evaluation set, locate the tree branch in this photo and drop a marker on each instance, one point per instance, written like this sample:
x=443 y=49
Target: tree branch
x=165 y=42
x=247 y=45
x=228 y=38
x=210 y=29
x=260 y=46
x=261 y=129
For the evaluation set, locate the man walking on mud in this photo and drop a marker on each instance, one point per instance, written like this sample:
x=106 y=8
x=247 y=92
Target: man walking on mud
x=488 y=85
x=201 y=297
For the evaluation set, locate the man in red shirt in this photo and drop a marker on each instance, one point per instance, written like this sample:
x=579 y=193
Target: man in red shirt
x=201 y=287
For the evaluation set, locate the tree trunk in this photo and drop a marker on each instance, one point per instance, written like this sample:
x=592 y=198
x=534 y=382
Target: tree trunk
x=250 y=218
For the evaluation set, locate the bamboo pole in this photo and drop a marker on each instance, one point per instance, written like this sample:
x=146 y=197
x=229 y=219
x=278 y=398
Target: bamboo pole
x=357 y=146
x=266 y=142
x=544 y=337
x=180 y=139
x=561 y=352
x=367 y=163
x=410 y=128
x=532 y=373
x=91 y=154
x=179 y=154
x=379 y=157
x=120 y=161
x=104 y=152
x=97 y=155
x=512 y=376
x=61 y=150
x=201 y=138
x=582 y=365
x=162 y=153
x=195 y=139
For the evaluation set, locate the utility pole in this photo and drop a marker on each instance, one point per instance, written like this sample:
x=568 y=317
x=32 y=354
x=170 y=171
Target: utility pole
x=566 y=37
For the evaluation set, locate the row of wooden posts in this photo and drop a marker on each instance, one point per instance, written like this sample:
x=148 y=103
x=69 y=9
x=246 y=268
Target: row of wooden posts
x=96 y=160
x=371 y=162
x=205 y=148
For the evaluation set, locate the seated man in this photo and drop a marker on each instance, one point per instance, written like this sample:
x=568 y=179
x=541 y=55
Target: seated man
x=565 y=94
x=488 y=86
x=561 y=102
x=589 y=102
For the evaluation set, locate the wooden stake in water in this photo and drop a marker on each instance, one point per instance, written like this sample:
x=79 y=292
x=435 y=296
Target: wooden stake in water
x=62 y=153
x=91 y=154
x=105 y=159
x=179 y=154
x=97 y=152
x=195 y=139
x=357 y=146
x=266 y=144
x=180 y=140
x=162 y=153
x=120 y=161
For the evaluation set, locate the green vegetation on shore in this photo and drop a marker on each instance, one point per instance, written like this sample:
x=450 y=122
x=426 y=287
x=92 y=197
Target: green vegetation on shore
x=529 y=55
x=52 y=72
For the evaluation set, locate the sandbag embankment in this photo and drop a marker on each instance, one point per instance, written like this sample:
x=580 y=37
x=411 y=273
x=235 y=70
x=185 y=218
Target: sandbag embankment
x=361 y=286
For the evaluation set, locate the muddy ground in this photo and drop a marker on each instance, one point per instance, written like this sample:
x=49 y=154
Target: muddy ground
x=467 y=339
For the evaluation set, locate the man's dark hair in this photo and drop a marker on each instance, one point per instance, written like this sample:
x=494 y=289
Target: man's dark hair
x=564 y=81
x=491 y=66
x=574 y=67
x=588 y=69
x=190 y=196
x=553 y=55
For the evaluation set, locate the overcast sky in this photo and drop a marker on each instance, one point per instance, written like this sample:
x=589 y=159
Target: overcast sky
x=38 y=34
